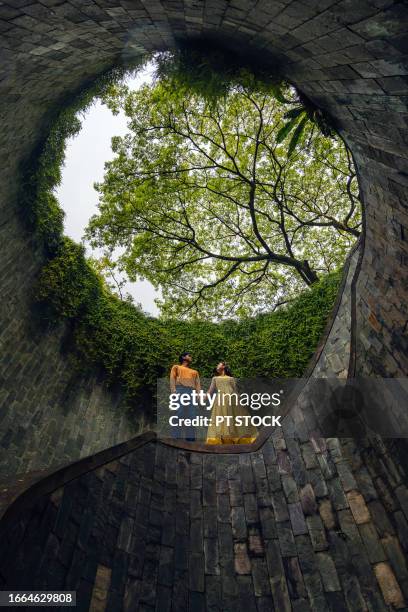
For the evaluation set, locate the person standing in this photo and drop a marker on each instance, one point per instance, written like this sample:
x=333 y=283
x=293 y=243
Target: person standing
x=227 y=404
x=183 y=381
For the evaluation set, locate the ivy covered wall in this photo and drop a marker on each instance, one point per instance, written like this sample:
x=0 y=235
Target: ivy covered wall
x=134 y=349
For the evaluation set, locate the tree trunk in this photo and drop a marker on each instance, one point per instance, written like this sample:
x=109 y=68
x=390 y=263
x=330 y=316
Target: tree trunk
x=306 y=272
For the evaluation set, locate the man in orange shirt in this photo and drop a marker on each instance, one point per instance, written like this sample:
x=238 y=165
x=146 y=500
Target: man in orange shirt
x=183 y=381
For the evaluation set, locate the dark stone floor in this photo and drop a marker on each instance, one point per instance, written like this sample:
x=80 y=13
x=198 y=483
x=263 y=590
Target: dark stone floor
x=298 y=525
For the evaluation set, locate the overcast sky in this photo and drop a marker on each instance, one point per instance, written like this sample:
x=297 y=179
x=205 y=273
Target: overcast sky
x=84 y=164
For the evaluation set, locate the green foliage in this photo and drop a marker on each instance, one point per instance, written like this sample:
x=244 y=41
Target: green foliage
x=132 y=348
x=205 y=201
x=42 y=173
x=212 y=72
x=302 y=116
x=67 y=282
x=277 y=344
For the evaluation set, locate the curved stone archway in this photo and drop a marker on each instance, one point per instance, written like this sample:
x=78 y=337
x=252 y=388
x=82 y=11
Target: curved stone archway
x=350 y=58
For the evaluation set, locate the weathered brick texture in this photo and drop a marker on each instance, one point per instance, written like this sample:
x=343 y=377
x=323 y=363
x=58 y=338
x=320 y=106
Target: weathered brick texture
x=350 y=58
x=167 y=529
x=303 y=522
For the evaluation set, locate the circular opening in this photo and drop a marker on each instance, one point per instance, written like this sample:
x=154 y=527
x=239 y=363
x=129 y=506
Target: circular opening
x=233 y=196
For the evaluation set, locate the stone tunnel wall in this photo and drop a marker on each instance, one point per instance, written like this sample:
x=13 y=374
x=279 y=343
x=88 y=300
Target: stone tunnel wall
x=298 y=525
x=50 y=414
x=358 y=73
x=335 y=356
x=349 y=57
x=62 y=415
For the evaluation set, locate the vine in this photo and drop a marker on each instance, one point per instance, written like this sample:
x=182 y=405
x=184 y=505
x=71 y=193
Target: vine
x=132 y=348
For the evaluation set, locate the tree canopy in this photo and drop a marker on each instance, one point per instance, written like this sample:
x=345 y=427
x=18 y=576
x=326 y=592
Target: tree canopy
x=207 y=201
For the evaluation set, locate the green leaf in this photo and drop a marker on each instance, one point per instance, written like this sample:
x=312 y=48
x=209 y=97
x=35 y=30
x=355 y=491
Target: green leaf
x=297 y=135
x=278 y=95
x=284 y=131
x=294 y=112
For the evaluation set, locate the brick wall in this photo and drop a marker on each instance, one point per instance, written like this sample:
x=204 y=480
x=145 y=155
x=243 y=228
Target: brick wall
x=350 y=58
x=297 y=525
x=50 y=414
